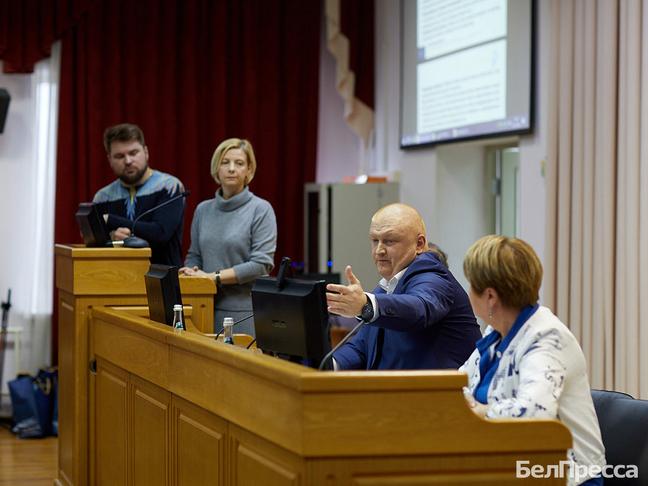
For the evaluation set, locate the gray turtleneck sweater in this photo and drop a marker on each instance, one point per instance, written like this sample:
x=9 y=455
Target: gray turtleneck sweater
x=241 y=233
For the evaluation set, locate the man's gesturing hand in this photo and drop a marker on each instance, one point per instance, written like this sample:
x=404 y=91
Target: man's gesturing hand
x=346 y=300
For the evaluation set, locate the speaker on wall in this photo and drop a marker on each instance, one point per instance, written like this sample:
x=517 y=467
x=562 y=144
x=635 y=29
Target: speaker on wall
x=4 y=107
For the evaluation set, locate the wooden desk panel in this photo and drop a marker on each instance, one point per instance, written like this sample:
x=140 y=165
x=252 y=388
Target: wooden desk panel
x=194 y=429
x=267 y=421
x=112 y=431
x=89 y=278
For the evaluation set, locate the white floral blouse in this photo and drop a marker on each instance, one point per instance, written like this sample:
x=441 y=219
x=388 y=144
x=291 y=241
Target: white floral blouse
x=543 y=374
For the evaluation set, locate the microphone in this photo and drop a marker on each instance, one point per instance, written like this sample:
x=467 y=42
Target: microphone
x=135 y=242
x=284 y=268
x=329 y=355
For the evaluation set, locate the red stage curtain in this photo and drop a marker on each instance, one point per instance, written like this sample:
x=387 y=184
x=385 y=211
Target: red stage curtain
x=192 y=73
x=28 y=28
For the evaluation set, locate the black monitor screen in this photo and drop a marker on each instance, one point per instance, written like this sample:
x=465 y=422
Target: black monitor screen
x=92 y=226
x=331 y=277
x=292 y=322
x=162 y=292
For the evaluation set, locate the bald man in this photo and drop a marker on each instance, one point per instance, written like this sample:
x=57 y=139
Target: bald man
x=418 y=317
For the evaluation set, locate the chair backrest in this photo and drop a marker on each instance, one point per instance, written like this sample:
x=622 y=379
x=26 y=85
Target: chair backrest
x=624 y=429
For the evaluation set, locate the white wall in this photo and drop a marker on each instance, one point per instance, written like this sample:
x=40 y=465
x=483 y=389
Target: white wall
x=448 y=184
x=27 y=171
x=464 y=201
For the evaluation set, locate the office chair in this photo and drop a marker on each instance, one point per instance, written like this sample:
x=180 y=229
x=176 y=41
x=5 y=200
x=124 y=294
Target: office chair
x=624 y=429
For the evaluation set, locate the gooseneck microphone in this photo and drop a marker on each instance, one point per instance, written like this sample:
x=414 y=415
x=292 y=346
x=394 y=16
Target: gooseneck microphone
x=135 y=242
x=284 y=269
x=329 y=355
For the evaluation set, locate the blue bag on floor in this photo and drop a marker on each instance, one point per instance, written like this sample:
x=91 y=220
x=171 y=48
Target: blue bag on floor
x=55 y=406
x=34 y=402
x=47 y=398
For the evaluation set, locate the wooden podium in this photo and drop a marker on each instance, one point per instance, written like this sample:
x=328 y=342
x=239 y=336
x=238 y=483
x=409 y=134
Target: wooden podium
x=177 y=408
x=93 y=277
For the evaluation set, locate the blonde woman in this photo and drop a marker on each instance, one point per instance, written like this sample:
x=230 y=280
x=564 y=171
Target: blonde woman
x=233 y=235
x=528 y=364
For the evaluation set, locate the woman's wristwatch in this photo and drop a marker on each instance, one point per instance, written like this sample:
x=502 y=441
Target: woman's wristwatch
x=217 y=279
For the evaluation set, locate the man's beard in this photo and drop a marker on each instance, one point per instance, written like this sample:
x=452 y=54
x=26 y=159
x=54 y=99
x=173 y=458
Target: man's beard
x=131 y=179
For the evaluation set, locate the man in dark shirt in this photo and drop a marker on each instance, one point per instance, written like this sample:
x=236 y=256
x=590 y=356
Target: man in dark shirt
x=137 y=189
x=419 y=317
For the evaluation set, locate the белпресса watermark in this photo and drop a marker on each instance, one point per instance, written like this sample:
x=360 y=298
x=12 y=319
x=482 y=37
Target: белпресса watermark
x=577 y=472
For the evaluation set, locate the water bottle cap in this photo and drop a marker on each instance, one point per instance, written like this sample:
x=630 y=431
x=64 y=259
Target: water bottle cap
x=228 y=321
x=177 y=307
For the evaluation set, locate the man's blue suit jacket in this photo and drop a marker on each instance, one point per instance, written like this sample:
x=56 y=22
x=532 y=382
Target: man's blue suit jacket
x=426 y=323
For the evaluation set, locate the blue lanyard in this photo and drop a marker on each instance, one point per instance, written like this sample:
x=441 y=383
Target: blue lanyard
x=488 y=363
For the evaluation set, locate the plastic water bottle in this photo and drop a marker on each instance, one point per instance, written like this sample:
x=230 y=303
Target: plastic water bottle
x=178 y=318
x=228 y=324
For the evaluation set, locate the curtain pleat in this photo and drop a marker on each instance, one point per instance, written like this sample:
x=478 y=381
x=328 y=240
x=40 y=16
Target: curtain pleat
x=597 y=174
x=588 y=216
x=575 y=295
x=551 y=204
x=627 y=281
x=623 y=170
x=565 y=127
x=642 y=270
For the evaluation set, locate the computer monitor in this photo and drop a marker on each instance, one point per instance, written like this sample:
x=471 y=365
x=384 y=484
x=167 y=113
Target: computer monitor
x=92 y=225
x=291 y=319
x=162 y=292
